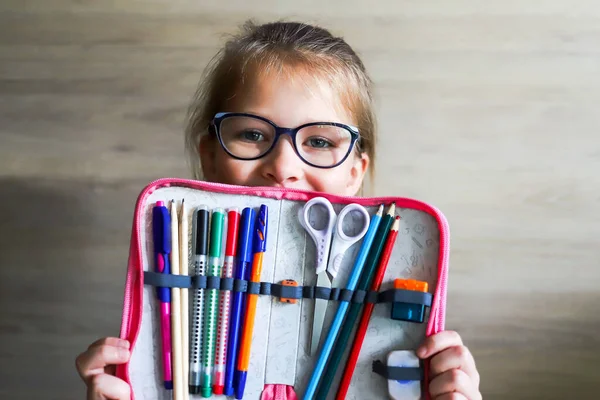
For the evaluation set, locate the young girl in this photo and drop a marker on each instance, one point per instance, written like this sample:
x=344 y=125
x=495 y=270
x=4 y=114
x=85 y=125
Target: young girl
x=268 y=83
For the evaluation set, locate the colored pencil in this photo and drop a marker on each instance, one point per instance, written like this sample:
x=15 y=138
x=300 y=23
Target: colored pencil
x=350 y=322
x=178 y=388
x=185 y=320
x=367 y=311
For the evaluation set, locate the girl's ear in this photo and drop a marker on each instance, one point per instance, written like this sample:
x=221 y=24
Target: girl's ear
x=207 y=152
x=357 y=173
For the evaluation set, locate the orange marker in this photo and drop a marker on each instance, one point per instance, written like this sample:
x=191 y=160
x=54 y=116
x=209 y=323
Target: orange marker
x=260 y=242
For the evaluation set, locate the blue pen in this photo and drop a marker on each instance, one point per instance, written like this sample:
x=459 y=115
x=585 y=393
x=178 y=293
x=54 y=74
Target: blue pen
x=259 y=248
x=242 y=272
x=343 y=307
x=161 y=232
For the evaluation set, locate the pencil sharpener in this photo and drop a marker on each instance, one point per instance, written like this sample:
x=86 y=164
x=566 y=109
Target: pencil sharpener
x=408 y=311
x=292 y=283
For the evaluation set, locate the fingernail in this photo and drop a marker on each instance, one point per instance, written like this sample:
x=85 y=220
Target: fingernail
x=422 y=351
x=124 y=343
x=123 y=354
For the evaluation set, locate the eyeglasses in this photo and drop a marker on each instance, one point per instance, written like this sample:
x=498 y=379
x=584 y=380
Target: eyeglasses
x=250 y=137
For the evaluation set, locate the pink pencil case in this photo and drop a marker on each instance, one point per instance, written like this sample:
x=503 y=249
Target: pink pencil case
x=279 y=354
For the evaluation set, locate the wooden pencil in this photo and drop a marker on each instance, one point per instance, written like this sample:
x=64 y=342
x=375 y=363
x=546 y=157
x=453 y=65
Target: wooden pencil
x=185 y=323
x=176 y=307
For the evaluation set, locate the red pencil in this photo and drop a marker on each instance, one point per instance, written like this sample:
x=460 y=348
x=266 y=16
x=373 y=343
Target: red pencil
x=367 y=311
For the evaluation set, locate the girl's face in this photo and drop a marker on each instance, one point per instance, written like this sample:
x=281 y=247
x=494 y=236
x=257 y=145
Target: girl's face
x=288 y=103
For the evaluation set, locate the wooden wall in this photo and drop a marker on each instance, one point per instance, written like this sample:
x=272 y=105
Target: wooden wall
x=489 y=110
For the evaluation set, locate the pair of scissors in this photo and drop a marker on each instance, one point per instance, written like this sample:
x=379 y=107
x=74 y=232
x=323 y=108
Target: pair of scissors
x=331 y=244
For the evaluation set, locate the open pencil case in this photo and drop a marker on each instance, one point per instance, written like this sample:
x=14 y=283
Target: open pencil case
x=279 y=352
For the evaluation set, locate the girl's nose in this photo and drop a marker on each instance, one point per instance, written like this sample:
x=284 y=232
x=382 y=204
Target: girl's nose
x=282 y=165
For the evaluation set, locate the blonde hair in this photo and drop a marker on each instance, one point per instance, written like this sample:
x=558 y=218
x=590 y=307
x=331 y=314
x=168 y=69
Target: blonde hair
x=282 y=47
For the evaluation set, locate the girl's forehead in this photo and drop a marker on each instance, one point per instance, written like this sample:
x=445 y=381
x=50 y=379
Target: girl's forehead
x=290 y=97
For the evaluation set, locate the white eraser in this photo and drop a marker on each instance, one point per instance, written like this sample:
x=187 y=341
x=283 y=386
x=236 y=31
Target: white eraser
x=405 y=390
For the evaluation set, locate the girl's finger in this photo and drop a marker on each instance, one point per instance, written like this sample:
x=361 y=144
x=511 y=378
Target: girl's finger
x=103 y=386
x=438 y=342
x=451 y=396
x=93 y=361
x=113 y=341
x=457 y=357
x=453 y=381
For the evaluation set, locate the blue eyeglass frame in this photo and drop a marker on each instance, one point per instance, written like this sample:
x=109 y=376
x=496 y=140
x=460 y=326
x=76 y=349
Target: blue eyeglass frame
x=292 y=132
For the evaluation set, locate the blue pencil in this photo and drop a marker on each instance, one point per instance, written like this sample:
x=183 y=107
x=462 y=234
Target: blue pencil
x=343 y=307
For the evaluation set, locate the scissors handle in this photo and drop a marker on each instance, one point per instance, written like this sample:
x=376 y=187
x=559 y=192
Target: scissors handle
x=342 y=242
x=322 y=237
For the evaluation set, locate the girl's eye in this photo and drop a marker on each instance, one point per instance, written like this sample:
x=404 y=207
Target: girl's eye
x=319 y=143
x=252 y=136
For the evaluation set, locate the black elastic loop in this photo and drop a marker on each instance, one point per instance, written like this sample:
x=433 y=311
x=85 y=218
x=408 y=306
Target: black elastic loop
x=359 y=296
x=335 y=294
x=240 y=285
x=288 y=292
x=371 y=297
x=346 y=295
x=166 y=280
x=199 y=282
x=276 y=289
x=213 y=282
x=308 y=292
x=405 y=296
x=253 y=288
x=322 y=292
x=265 y=288
x=398 y=373
x=226 y=284
x=291 y=292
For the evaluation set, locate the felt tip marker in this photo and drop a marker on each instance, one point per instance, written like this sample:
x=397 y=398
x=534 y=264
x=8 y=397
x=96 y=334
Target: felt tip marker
x=161 y=229
x=233 y=220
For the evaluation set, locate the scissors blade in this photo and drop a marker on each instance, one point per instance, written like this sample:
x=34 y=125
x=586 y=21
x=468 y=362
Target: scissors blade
x=319 y=314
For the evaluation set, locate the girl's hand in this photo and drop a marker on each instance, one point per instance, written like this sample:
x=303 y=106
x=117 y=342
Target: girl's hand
x=453 y=373
x=96 y=366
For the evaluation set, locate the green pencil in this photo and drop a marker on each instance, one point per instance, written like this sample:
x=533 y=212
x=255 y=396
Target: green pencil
x=363 y=284
x=212 y=301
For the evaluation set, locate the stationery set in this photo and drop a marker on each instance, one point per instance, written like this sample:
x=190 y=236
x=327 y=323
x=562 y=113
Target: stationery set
x=273 y=293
